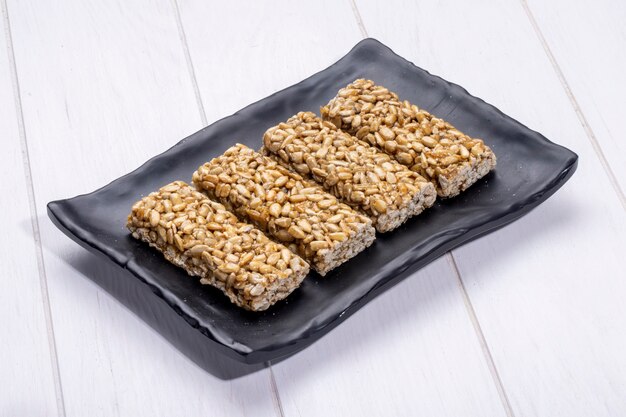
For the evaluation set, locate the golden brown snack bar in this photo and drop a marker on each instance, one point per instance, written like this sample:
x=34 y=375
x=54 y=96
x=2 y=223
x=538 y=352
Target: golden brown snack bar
x=207 y=241
x=360 y=175
x=434 y=148
x=291 y=209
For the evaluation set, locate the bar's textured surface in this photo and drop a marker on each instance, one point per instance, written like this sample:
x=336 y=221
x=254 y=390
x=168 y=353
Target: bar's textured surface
x=206 y=240
x=359 y=174
x=295 y=211
x=428 y=145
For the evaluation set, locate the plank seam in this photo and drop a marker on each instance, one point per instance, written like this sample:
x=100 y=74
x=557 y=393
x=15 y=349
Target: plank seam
x=278 y=405
x=595 y=144
x=468 y=305
x=192 y=74
x=495 y=375
x=43 y=280
x=359 y=20
x=190 y=67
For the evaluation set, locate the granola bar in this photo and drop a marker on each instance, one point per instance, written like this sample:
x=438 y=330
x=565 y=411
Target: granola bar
x=434 y=148
x=209 y=242
x=295 y=211
x=360 y=175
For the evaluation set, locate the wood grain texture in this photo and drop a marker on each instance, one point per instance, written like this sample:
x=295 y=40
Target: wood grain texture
x=104 y=87
x=548 y=290
x=272 y=46
x=24 y=350
x=588 y=41
x=245 y=51
x=410 y=352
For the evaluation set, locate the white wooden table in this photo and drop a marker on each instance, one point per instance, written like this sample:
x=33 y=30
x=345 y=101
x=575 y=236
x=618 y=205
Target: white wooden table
x=527 y=321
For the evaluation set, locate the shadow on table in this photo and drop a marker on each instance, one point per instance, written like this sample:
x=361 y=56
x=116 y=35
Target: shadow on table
x=135 y=295
x=138 y=298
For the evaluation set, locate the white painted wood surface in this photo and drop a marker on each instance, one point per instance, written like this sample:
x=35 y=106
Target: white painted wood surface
x=300 y=384
x=588 y=42
x=547 y=290
x=411 y=352
x=108 y=88
x=533 y=326
x=271 y=46
x=24 y=351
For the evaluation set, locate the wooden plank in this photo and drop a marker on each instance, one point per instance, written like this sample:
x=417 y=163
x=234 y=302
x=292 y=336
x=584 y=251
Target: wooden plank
x=262 y=47
x=548 y=290
x=410 y=352
x=271 y=47
x=104 y=87
x=588 y=42
x=25 y=349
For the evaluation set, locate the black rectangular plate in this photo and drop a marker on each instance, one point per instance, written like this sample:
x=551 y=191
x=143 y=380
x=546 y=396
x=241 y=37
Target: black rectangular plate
x=530 y=169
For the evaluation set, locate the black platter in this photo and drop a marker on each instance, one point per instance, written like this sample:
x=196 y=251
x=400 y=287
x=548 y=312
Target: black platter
x=202 y=323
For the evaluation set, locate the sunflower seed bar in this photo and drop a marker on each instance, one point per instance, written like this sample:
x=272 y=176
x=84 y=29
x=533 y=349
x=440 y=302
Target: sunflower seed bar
x=428 y=145
x=293 y=210
x=362 y=176
x=208 y=241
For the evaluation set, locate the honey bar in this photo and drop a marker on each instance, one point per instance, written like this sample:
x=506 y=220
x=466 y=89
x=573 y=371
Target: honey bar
x=360 y=175
x=291 y=209
x=209 y=242
x=430 y=146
